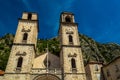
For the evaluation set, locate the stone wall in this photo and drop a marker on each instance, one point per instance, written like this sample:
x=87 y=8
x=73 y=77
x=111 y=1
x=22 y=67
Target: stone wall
x=18 y=51
x=79 y=72
x=93 y=71
x=31 y=28
x=112 y=70
x=1 y=77
x=65 y=30
x=17 y=77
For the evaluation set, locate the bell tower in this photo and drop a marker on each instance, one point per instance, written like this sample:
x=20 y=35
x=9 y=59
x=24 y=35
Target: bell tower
x=24 y=48
x=70 y=55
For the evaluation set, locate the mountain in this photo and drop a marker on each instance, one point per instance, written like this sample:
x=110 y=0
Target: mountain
x=92 y=50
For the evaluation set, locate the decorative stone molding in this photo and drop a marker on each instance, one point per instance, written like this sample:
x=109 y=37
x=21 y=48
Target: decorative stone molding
x=23 y=30
x=76 y=46
x=70 y=55
x=21 y=54
x=69 y=32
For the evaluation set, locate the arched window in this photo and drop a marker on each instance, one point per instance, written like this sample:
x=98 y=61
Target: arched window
x=96 y=67
x=108 y=73
x=67 y=19
x=73 y=63
x=70 y=39
x=25 y=36
x=20 y=60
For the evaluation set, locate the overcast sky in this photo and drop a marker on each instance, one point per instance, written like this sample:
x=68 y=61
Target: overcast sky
x=99 y=19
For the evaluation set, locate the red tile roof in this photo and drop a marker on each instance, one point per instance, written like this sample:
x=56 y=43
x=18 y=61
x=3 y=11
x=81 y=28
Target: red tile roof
x=2 y=72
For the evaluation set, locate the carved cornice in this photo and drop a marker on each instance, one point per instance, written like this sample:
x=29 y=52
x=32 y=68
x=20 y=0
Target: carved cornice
x=26 y=20
x=69 y=24
x=23 y=44
x=70 y=13
x=75 y=73
x=77 y=46
x=30 y=12
x=16 y=73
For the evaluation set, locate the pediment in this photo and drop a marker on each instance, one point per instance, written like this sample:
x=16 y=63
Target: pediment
x=41 y=61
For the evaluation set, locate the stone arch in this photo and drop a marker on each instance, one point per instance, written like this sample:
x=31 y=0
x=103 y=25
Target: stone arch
x=29 y=16
x=73 y=63
x=70 y=39
x=20 y=61
x=25 y=36
x=68 y=19
x=46 y=77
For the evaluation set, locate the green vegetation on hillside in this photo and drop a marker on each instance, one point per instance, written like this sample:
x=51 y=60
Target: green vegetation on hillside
x=92 y=50
x=5 y=47
x=53 y=46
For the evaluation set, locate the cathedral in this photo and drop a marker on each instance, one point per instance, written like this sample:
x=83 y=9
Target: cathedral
x=23 y=63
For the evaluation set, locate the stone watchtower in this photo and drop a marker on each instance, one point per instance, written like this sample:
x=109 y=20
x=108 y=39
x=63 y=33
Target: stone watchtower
x=70 y=55
x=23 y=50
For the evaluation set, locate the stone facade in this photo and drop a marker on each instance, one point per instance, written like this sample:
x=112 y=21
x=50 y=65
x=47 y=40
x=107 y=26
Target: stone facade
x=71 y=55
x=23 y=63
x=23 y=50
x=1 y=77
x=111 y=71
x=93 y=71
x=40 y=67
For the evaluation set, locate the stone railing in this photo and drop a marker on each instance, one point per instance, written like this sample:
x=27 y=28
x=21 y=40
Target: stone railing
x=45 y=70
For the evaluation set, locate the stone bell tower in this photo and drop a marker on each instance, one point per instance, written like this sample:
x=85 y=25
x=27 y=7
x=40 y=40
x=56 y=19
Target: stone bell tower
x=71 y=55
x=24 y=48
